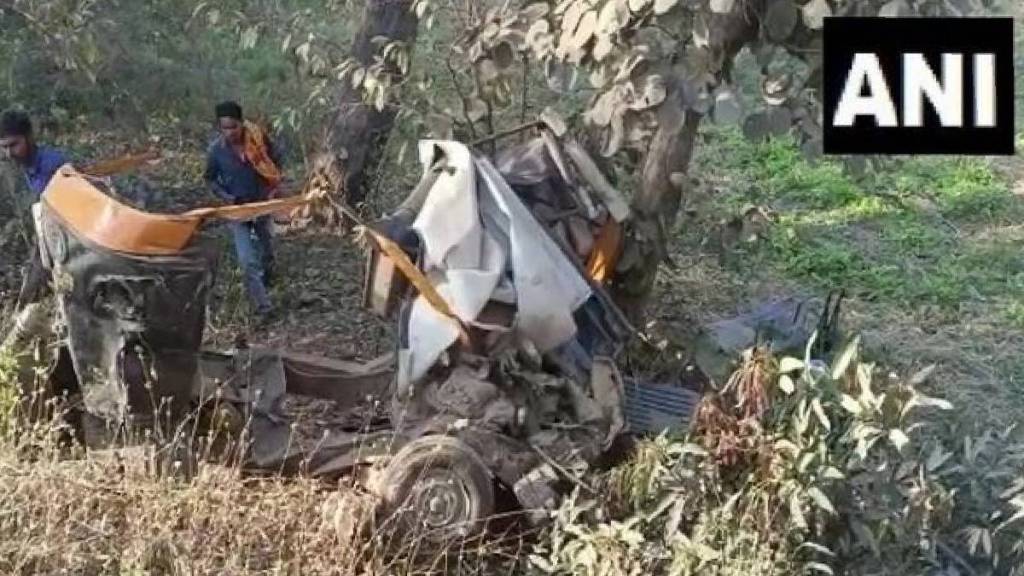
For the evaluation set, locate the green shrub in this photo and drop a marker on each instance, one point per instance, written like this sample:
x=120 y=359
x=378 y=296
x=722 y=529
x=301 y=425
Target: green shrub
x=798 y=467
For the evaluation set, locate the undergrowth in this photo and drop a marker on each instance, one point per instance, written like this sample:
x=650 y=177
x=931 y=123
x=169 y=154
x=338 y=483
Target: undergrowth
x=792 y=467
x=800 y=468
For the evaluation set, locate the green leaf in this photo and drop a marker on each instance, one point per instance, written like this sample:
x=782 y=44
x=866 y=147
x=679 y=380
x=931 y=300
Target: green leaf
x=249 y=37
x=930 y=402
x=790 y=364
x=845 y=357
x=585 y=30
x=796 y=512
x=554 y=121
x=534 y=12
x=922 y=375
x=694 y=449
x=1012 y=519
x=803 y=417
x=786 y=384
x=819 y=567
x=614 y=16
x=898 y=438
x=199 y=8
x=815 y=12
x=820 y=499
x=973 y=538
x=706 y=553
x=722 y=6
x=864 y=382
x=663 y=6
x=817 y=548
x=542 y=563
x=805 y=461
x=937 y=458
x=787 y=446
x=675 y=519
x=832 y=473
x=820 y=413
x=851 y=405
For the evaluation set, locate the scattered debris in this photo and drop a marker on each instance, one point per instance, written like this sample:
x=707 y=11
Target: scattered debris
x=785 y=326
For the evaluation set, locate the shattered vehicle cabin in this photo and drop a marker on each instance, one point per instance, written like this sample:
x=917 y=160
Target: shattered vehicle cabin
x=505 y=371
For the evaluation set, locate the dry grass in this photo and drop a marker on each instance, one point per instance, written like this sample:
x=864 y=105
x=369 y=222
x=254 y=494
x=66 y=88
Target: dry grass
x=106 y=514
x=110 y=513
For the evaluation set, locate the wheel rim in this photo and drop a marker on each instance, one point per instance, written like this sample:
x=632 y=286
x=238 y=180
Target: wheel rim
x=441 y=502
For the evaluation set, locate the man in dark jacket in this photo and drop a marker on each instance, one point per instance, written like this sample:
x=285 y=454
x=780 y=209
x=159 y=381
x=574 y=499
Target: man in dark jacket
x=242 y=167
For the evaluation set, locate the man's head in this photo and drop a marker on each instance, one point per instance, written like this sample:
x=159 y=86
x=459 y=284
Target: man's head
x=16 y=135
x=229 y=121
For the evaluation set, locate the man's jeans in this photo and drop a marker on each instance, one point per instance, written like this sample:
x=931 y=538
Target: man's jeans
x=255 y=254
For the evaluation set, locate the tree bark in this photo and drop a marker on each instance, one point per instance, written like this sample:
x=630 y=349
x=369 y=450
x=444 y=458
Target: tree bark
x=357 y=133
x=666 y=167
x=655 y=206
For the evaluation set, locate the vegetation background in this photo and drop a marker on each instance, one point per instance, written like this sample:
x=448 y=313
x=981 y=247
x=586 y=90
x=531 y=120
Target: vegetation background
x=857 y=469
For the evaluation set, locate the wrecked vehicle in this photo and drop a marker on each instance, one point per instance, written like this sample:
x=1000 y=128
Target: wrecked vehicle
x=505 y=378
x=504 y=375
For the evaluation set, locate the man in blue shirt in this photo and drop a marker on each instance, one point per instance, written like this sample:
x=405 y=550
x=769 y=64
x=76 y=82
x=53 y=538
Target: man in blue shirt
x=38 y=163
x=231 y=174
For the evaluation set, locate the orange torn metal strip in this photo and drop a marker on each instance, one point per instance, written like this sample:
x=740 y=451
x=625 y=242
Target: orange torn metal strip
x=103 y=220
x=417 y=279
x=118 y=165
x=411 y=272
x=605 y=254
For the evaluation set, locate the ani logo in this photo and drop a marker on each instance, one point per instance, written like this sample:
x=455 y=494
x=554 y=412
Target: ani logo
x=918 y=86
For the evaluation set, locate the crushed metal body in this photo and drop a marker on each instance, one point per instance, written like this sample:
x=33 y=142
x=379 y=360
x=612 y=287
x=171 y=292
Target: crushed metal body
x=532 y=412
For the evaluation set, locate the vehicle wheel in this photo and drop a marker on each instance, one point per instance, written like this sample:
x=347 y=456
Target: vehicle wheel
x=436 y=490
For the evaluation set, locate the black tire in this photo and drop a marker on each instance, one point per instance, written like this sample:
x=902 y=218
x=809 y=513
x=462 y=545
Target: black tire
x=436 y=491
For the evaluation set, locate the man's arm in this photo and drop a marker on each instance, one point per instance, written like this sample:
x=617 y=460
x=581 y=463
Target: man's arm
x=212 y=177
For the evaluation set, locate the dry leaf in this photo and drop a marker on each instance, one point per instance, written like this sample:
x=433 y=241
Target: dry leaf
x=722 y=6
x=815 y=12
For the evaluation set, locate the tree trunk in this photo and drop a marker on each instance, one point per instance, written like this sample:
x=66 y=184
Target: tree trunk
x=666 y=166
x=357 y=133
x=655 y=206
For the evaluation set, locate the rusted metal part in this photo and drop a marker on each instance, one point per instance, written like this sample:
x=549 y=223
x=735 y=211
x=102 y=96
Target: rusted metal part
x=134 y=323
x=785 y=325
x=505 y=133
x=655 y=408
x=346 y=383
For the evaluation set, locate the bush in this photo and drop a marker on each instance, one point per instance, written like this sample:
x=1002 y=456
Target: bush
x=798 y=467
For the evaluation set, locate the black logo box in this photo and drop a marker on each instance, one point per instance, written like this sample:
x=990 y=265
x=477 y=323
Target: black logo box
x=889 y=39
